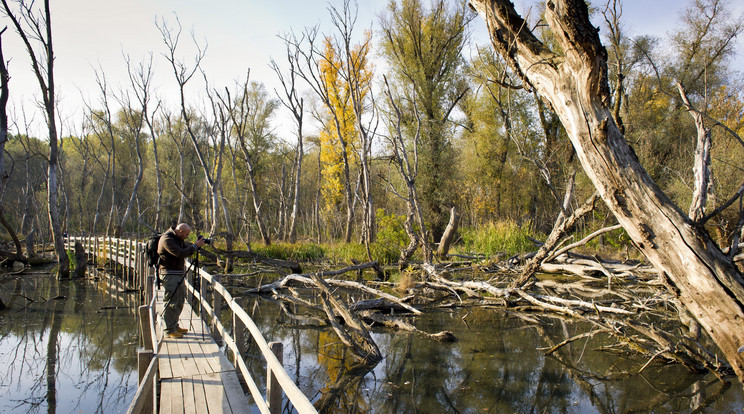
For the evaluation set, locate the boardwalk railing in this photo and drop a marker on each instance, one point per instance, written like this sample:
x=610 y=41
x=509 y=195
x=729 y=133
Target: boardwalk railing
x=129 y=255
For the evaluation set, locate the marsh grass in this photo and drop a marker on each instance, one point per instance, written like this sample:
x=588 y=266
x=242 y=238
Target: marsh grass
x=500 y=237
x=335 y=253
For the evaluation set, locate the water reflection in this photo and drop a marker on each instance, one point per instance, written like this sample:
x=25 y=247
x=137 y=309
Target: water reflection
x=493 y=368
x=67 y=346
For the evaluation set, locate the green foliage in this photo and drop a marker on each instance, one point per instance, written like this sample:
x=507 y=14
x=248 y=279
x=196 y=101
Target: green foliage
x=391 y=237
x=299 y=252
x=423 y=47
x=336 y=253
x=390 y=230
x=499 y=237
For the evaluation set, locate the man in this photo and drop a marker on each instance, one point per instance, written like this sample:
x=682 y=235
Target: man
x=173 y=250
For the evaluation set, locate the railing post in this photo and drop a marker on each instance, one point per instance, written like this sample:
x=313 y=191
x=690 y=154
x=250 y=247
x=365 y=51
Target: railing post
x=143 y=362
x=202 y=293
x=130 y=265
x=149 y=286
x=273 y=390
x=143 y=268
x=144 y=318
x=238 y=336
x=144 y=356
x=118 y=252
x=190 y=294
x=130 y=256
x=217 y=306
x=137 y=273
x=125 y=265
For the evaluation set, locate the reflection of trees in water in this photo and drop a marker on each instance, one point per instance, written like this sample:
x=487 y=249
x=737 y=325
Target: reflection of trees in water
x=69 y=343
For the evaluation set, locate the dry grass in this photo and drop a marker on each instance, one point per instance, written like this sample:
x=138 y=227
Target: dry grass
x=405 y=282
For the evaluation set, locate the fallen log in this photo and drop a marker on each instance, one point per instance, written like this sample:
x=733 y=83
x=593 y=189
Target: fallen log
x=396 y=323
x=353 y=333
x=244 y=254
x=306 y=280
x=378 y=304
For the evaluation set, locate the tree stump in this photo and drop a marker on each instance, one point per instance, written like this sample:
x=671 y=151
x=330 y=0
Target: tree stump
x=81 y=260
x=30 y=238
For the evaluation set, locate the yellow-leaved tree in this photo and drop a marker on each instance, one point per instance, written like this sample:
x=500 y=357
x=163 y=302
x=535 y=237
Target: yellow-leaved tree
x=343 y=74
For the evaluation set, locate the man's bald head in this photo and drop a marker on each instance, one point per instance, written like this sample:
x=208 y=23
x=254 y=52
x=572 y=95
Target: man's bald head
x=182 y=230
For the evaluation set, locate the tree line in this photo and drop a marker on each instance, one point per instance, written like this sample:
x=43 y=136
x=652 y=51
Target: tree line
x=441 y=128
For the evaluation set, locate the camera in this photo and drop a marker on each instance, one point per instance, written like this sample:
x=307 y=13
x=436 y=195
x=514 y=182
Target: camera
x=206 y=240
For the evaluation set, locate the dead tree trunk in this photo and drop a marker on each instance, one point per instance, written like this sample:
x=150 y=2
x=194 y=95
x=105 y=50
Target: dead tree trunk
x=81 y=260
x=408 y=170
x=296 y=105
x=559 y=230
x=701 y=166
x=449 y=233
x=350 y=329
x=240 y=119
x=39 y=29
x=706 y=281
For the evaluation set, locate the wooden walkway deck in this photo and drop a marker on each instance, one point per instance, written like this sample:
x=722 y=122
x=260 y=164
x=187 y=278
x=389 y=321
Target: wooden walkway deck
x=195 y=376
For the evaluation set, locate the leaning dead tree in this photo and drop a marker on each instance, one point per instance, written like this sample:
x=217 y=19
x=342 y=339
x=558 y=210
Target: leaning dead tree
x=574 y=81
x=407 y=161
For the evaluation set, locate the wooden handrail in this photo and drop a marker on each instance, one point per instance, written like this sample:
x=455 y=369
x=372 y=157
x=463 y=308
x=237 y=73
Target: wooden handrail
x=293 y=393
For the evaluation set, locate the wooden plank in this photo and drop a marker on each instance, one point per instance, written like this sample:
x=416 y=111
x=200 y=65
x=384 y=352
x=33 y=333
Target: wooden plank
x=176 y=396
x=166 y=397
x=203 y=359
x=177 y=363
x=188 y=359
x=235 y=397
x=225 y=364
x=189 y=404
x=215 y=393
x=200 y=398
x=211 y=353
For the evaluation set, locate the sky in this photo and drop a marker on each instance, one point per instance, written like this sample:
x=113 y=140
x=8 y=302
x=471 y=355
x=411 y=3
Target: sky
x=240 y=35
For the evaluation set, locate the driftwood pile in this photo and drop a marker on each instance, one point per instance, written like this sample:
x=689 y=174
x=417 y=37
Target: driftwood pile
x=626 y=301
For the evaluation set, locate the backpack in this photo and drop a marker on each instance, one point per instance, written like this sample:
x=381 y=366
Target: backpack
x=151 y=250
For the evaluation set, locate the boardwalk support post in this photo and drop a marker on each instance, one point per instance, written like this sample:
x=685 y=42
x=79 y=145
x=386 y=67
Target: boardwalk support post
x=144 y=318
x=217 y=306
x=144 y=357
x=273 y=389
x=150 y=284
x=238 y=336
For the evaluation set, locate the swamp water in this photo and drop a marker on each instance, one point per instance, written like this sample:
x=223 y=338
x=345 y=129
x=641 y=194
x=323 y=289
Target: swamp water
x=84 y=334
x=67 y=347
x=496 y=366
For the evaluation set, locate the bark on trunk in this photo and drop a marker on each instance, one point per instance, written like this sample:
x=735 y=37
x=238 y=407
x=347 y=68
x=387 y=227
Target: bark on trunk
x=449 y=233
x=706 y=281
x=298 y=176
x=701 y=166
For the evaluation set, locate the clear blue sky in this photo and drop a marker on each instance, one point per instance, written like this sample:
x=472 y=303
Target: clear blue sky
x=240 y=35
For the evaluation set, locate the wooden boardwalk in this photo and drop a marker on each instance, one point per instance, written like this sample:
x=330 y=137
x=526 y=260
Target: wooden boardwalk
x=195 y=375
x=192 y=374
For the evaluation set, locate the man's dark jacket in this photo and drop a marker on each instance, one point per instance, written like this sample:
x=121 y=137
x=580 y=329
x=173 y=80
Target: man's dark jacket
x=172 y=251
